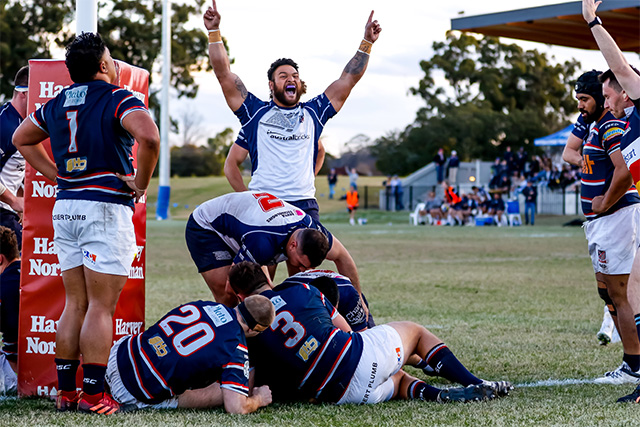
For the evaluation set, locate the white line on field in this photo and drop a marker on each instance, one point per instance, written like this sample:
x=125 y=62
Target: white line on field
x=553 y=383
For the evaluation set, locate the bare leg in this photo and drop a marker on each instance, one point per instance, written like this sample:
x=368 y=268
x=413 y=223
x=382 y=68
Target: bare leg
x=216 y=279
x=103 y=291
x=617 y=288
x=75 y=308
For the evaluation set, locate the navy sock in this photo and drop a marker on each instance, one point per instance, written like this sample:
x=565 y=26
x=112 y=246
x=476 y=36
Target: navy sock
x=633 y=360
x=423 y=391
x=93 y=381
x=66 y=370
x=422 y=364
x=637 y=317
x=446 y=365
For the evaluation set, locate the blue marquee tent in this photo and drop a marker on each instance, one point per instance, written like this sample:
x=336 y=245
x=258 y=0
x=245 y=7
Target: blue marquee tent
x=555 y=139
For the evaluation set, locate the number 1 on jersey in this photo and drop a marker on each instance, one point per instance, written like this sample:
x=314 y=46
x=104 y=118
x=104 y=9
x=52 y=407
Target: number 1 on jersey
x=72 y=118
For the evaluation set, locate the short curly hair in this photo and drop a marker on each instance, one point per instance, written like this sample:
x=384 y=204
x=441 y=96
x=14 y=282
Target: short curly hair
x=83 y=56
x=279 y=62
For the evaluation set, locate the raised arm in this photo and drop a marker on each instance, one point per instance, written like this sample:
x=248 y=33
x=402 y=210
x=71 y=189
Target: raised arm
x=338 y=91
x=232 y=87
x=627 y=78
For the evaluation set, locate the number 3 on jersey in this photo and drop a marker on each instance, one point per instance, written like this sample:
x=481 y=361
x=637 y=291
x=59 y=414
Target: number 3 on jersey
x=268 y=201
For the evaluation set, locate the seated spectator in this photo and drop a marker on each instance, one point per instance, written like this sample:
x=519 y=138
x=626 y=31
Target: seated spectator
x=433 y=207
x=461 y=211
x=497 y=207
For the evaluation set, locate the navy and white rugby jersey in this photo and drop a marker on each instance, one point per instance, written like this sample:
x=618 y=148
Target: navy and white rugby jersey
x=283 y=144
x=349 y=305
x=630 y=143
x=191 y=347
x=302 y=355
x=256 y=226
x=580 y=128
x=597 y=169
x=89 y=144
x=11 y=161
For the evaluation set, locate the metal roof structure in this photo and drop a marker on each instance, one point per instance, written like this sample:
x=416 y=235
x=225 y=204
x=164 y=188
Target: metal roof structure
x=560 y=24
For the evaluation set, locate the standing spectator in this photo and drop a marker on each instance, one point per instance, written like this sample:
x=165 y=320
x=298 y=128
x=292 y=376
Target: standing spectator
x=282 y=136
x=521 y=161
x=11 y=161
x=530 y=193
x=352 y=204
x=9 y=307
x=453 y=165
x=399 y=192
x=353 y=177
x=509 y=157
x=440 y=160
x=91 y=124
x=333 y=180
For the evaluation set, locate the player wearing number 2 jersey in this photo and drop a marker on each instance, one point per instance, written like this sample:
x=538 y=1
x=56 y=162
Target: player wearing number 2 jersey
x=194 y=357
x=91 y=125
x=258 y=227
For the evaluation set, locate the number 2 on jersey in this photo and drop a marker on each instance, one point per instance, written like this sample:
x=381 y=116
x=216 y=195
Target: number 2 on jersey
x=268 y=201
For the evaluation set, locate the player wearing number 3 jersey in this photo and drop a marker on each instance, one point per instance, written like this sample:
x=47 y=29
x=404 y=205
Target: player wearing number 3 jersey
x=92 y=125
x=258 y=227
x=194 y=357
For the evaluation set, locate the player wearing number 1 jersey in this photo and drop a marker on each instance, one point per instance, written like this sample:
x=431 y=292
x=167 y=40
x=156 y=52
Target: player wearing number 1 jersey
x=258 y=227
x=91 y=125
x=194 y=357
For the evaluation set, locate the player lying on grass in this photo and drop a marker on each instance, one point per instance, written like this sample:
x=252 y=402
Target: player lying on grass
x=260 y=228
x=194 y=357
x=309 y=354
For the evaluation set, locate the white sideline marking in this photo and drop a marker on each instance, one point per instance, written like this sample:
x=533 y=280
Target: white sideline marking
x=553 y=383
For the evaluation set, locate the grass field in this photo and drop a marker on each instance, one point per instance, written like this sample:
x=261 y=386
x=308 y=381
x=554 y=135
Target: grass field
x=512 y=303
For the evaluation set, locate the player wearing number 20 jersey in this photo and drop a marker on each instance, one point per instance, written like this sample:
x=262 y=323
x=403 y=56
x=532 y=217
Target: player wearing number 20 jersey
x=191 y=347
x=89 y=144
x=319 y=358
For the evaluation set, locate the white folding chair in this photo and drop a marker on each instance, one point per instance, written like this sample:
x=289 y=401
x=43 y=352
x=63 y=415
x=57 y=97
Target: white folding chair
x=513 y=213
x=415 y=217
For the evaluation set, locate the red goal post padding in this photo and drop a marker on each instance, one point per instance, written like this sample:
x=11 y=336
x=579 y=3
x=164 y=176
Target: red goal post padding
x=41 y=290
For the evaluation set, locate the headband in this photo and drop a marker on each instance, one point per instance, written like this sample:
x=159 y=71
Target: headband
x=248 y=318
x=21 y=88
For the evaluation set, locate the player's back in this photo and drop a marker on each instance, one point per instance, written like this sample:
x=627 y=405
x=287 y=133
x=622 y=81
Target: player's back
x=89 y=144
x=191 y=347
x=303 y=355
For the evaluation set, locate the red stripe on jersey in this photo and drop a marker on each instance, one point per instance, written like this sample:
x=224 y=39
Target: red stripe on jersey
x=115 y=113
x=335 y=364
x=153 y=368
x=136 y=371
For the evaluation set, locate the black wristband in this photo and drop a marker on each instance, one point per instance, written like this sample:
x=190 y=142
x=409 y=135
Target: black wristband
x=595 y=22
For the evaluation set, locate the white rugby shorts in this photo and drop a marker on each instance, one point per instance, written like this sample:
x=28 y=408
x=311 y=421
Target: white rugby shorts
x=613 y=240
x=120 y=392
x=382 y=357
x=98 y=235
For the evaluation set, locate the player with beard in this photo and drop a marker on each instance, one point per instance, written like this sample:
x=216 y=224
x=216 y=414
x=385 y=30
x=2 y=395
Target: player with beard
x=611 y=205
x=282 y=136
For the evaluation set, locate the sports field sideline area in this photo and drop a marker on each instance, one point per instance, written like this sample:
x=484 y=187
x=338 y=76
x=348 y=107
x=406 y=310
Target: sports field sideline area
x=517 y=304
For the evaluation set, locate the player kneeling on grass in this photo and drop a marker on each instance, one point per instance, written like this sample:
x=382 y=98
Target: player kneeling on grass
x=310 y=353
x=194 y=357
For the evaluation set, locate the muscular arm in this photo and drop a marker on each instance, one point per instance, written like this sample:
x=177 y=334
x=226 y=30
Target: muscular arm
x=320 y=158
x=236 y=156
x=236 y=403
x=573 y=151
x=627 y=78
x=341 y=323
x=344 y=263
x=142 y=127
x=620 y=184
x=16 y=203
x=28 y=140
x=338 y=91
x=232 y=87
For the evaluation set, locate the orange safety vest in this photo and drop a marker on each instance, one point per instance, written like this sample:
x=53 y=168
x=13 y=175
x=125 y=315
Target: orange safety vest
x=451 y=196
x=352 y=198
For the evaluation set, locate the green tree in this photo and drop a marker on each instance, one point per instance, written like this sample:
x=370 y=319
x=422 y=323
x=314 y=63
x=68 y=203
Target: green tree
x=496 y=95
x=27 y=30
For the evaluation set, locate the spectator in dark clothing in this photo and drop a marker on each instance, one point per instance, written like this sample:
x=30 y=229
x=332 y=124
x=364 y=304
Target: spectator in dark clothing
x=521 y=160
x=333 y=180
x=530 y=193
x=9 y=306
x=510 y=159
x=440 y=160
x=496 y=207
x=452 y=166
